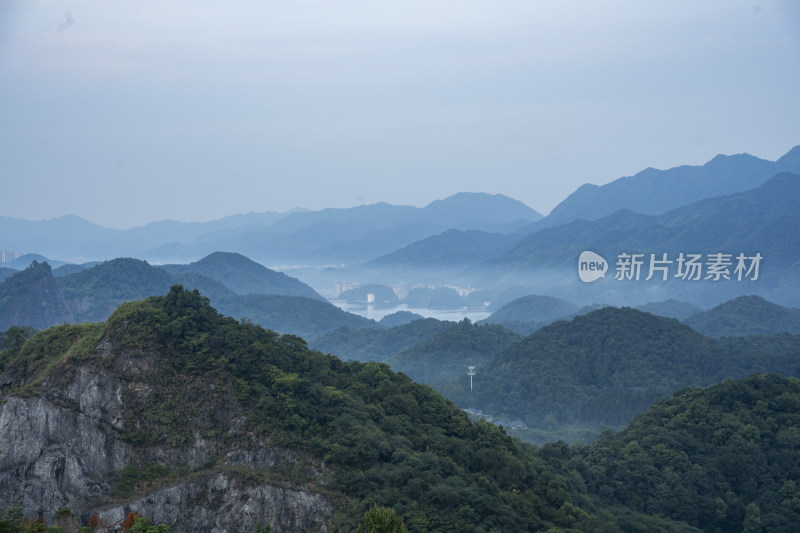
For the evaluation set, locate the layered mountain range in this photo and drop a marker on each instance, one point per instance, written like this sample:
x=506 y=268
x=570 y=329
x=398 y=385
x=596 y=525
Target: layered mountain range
x=329 y=236
x=239 y=286
x=733 y=204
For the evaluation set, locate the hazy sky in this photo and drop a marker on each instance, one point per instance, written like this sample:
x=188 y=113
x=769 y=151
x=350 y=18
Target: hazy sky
x=124 y=112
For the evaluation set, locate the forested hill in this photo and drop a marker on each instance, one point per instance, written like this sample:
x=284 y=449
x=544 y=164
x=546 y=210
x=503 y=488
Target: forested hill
x=306 y=317
x=31 y=297
x=208 y=399
x=746 y=315
x=440 y=359
x=371 y=344
x=527 y=314
x=604 y=367
x=93 y=293
x=219 y=416
x=244 y=276
x=725 y=458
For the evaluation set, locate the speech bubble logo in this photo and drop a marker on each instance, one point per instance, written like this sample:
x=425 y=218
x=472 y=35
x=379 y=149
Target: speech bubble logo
x=591 y=266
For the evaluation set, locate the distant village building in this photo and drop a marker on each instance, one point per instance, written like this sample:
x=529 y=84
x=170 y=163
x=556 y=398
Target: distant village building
x=340 y=286
x=461 y=291
x=400 y=291
x=8 y=255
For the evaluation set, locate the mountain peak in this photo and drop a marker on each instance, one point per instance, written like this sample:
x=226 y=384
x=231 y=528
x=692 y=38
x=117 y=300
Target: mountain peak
x=721 y=159
x=790 y=160
x=245 y=276
x=32 y=297
x=746 y=315
x=228 y=257
x=465 y=206
x=653 y=192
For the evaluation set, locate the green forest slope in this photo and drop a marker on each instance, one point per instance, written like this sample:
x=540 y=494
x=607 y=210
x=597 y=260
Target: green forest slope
x=724 y=458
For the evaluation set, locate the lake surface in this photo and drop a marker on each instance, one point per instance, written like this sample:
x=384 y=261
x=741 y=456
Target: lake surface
x=454 y=315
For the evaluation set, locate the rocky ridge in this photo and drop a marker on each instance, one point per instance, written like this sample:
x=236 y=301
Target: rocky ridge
x=68 y=432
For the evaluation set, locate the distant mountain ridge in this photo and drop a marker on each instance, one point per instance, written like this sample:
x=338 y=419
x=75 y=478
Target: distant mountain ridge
x=765 y=221
x=270 y=298
x=453 y=247
x=244 y=276
x=762 y=220
x=759 y=221
x=346 y=234
x=653 y=192
x=367 y=232
x=474 y=241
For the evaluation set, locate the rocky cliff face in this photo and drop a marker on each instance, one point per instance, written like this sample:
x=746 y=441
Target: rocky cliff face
x=68 y=433
x=219 y=503
x=32 y=298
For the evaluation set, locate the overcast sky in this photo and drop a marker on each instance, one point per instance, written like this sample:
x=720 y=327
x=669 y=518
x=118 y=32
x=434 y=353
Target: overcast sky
x=124 y=112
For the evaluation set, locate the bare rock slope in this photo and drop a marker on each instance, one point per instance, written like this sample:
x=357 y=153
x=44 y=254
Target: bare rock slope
x=71 y=433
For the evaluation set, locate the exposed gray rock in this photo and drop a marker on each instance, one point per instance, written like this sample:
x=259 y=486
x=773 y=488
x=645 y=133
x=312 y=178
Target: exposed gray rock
x=218 y=503
x=62 y=447
x=53 y=457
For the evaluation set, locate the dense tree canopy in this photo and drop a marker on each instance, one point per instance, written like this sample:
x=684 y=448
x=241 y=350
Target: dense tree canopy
x=719 y=459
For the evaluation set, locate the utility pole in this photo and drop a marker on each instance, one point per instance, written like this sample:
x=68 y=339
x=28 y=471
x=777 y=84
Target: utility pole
x=470 y=372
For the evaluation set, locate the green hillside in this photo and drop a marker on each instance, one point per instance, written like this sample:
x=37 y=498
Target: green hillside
x=383 y=438
x=603 y=368
x=31 y=297
x=725 y=458
x=297 y=315
x=718 y=459
x=746 y=315
x=373 y=344
x=7 y=272
x=527 y=314
x=95 y=292
x=444 y=357
x=398 y=318
x=532 y=308
x=244 y=276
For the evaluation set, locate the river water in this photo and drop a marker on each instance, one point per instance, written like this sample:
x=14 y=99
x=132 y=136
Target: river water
x=454 y=315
